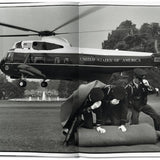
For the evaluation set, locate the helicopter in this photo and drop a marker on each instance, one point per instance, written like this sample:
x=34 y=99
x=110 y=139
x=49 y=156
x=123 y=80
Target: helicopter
x=53 y=57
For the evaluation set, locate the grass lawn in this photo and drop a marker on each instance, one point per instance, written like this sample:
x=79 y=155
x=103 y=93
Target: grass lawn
x=35 y=127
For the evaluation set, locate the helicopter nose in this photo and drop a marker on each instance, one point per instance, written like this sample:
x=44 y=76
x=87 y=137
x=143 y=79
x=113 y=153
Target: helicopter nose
x=0 y=65
x=2 y=62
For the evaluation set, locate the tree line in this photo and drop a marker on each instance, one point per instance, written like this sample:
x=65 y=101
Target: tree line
x=127 y=37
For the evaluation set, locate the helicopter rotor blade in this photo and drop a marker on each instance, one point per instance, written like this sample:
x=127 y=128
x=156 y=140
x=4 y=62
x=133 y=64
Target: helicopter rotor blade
x=17 y=27
x=80 y=32
x=19 y=35
x=78 y=17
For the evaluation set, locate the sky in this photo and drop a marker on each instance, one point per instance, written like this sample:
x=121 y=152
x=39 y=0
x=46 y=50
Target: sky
x=106 y=18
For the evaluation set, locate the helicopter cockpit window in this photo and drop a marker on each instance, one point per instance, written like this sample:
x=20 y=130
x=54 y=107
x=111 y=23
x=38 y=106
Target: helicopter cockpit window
x=19 y=45
x=45 y=46
x=10 y=57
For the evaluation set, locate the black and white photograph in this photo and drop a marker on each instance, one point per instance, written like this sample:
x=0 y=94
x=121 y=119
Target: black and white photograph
x=79 y=79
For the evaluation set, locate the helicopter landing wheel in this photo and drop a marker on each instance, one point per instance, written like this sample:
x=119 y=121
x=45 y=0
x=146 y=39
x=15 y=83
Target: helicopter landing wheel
x=22 y=83
x=44 y=84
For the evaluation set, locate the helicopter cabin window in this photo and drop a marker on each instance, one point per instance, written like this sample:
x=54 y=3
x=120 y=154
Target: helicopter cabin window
x=45 y=46
x=67 y=60
x=19 y=57
x=30 y=59
x=39 y=59
x=57 y=60
x=36 y=58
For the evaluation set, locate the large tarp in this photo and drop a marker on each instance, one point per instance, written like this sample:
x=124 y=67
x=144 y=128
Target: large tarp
x=135 y=134
x=75 y=101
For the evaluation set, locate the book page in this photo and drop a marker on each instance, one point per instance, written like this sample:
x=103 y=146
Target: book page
x=120 y=36
x=33 y=35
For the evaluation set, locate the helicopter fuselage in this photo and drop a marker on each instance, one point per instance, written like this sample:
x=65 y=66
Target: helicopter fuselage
x=72 y=63
x=52 y=57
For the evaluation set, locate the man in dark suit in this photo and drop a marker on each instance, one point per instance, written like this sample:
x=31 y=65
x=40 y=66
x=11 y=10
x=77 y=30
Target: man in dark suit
x=93 y=105
x=77 y=110
x=115 y=106
x=138 y=90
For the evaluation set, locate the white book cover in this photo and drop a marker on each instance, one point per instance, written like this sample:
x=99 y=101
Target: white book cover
x=54 y=53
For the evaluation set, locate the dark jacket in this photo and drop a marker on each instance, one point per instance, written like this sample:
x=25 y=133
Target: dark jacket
x=137 y=96
x=121 y=109
x=74 y=105
x=87 y=114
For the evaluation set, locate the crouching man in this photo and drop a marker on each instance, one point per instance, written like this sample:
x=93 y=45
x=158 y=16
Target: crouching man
x=92 y=105
x=77 y=111
x=115 y=106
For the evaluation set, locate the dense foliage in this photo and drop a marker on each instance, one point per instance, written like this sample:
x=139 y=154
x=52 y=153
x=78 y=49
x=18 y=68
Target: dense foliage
x=66 y=88
x=146 y=39
x=9 y=90
x=128 y=37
